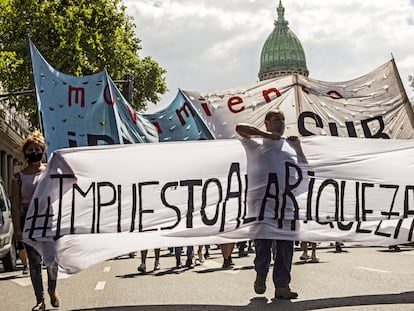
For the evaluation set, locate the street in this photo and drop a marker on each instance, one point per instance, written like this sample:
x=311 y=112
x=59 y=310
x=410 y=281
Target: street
x=359 y=278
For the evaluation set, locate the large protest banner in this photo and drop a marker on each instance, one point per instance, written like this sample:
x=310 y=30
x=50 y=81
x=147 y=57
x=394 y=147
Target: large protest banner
x=374 y=105
x=85 y=211
x=84 y=111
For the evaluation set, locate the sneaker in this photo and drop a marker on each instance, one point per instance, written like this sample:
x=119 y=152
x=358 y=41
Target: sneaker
x=157 y=265
x=285 y=293
x=260 y=283
x=39 y=306
x=200 y=257
x=142 y=268
x=314 y=260
x=304 y=257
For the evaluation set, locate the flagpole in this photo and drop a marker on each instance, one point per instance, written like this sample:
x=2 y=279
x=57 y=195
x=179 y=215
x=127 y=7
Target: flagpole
x=406 y=101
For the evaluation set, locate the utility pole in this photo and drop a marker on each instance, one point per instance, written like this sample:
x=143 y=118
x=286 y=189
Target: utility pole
x=128 y=87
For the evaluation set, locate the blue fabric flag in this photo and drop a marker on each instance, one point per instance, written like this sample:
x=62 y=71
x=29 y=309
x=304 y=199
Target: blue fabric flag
x=84 y=111
x=180 y=121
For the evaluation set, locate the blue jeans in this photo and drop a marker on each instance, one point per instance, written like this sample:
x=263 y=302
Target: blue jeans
x=178 y=253
x=35 y=266
x=283 y=260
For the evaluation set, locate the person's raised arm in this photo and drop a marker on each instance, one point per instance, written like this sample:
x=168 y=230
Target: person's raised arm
x=247 y=131
x=295 y=143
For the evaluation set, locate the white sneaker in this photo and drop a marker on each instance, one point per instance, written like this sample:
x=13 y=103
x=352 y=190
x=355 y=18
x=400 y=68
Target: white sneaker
x=157 y=265
x=142 y=268
x=200 y=257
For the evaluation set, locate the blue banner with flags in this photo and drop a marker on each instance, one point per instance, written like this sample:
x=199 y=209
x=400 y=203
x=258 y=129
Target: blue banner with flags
x=84 y=111
x=180 y=121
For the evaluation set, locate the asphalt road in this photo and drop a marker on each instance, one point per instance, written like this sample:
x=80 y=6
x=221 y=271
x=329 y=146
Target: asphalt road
x=360 y=278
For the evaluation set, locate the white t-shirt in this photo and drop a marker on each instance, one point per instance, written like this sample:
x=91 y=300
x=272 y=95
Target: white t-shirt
x=264 y=157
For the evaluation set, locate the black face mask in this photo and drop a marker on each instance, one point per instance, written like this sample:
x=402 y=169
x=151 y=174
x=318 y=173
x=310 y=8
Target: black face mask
x=34 y=157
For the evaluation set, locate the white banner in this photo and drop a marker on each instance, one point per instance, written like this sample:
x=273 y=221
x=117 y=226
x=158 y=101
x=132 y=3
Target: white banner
x=94 y=203
x=374 y=105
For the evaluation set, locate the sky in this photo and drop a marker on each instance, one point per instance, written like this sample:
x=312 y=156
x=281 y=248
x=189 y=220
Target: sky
x=209 y=45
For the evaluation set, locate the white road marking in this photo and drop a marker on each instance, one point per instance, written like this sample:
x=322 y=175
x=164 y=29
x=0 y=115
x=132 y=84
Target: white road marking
x=373 y=270
x=22 y=281
x=107 y=269
x=100 y=285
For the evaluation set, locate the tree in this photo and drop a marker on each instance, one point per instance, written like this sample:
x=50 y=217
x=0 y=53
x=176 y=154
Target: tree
x=77 y=37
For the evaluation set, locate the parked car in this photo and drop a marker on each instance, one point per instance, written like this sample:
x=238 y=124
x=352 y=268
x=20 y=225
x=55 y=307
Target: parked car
x=7 y=244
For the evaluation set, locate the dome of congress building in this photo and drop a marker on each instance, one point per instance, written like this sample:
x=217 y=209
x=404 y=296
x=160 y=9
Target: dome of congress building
x=282 y=53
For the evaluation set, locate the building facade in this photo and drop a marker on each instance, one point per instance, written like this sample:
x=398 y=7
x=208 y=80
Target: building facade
x=13 y=127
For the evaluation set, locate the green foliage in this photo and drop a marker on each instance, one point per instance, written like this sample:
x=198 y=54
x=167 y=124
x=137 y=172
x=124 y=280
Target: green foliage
x=77 y=37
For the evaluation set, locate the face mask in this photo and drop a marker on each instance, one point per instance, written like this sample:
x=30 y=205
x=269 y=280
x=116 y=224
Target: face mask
x=34 y=157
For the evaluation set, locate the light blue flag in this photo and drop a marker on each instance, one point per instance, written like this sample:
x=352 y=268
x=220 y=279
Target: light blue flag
x=179 y=121
x=84 y=111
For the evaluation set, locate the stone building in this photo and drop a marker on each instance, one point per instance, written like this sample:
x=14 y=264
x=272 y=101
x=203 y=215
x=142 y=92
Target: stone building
x=13 y=127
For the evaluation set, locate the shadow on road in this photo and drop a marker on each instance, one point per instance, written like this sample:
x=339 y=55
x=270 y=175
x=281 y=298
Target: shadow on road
x=261 y=303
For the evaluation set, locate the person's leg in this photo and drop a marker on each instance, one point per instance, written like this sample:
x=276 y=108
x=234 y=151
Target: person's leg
x=35 y=264
x=189 y=261
x=229 y=251
x=313 y=256
x=51 y=286
x=157 y=252
x=200 y=254
x=262 y=263
x=304 y=248
x=338 y=247
x=207 y=253
x=142 y=267
x=23 y=257
x=282 y=268
x=177 y=251
x=226 y=250
x=241 y=246
x=250 y=247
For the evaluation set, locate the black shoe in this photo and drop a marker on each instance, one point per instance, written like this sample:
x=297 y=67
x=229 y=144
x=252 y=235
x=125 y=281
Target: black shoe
x=285 y=293
x=260 y=283
x=189 y=263
x=243 y=253
x=226 y=264
x=206 y=254
x=178 y=264
x=231 y=261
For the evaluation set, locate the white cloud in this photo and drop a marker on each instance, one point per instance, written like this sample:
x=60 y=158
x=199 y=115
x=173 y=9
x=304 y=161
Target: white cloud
x=208 y=45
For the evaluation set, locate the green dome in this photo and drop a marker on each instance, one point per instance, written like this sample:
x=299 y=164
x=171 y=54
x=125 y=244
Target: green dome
x=282 y=53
